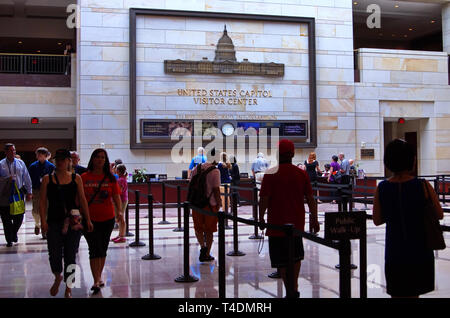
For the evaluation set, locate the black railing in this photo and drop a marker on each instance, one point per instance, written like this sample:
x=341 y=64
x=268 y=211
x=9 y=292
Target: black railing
x=34 y=64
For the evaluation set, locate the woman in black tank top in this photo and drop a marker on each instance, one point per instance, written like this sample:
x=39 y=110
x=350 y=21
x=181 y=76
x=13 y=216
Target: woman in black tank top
x=63 y=190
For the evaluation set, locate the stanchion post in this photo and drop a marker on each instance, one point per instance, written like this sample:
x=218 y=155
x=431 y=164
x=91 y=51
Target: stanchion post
x=234 y=209
x=186 y=277
x=222 y=287
x=255 y=236
x=179 y=228
x=137 y=242
x=290 y=285
x=344 y=269
x=163 y=189
x=151 y=255
x=127 y=222
x=226 y=188
x=363 y=262
x=444 y=190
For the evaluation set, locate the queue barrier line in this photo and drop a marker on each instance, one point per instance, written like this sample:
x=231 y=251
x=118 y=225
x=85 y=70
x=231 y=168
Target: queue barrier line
x=342 y=246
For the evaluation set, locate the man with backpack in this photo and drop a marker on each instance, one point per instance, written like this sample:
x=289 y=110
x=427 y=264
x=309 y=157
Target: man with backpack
x=204 y=192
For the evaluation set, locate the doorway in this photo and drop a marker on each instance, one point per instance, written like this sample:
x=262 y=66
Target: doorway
x=409 y=131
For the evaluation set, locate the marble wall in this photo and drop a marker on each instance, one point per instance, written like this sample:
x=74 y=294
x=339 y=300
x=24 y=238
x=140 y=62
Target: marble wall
x=104 y=92
x=409 y=84
x=393 y=83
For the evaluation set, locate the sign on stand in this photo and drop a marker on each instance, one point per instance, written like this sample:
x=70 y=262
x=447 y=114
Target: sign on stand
x=345 y=225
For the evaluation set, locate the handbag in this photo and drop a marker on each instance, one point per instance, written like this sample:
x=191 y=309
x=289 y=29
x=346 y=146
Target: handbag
x=16 y=202
x=433 y=232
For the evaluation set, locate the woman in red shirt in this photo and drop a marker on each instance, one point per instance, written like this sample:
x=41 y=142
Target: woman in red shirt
x=101 y=190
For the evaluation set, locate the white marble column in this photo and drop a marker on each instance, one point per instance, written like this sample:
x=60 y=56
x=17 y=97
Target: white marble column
x=446 y=27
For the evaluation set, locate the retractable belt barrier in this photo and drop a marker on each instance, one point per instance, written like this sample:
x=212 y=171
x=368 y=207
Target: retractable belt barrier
x=177 y=205
x=342 y=246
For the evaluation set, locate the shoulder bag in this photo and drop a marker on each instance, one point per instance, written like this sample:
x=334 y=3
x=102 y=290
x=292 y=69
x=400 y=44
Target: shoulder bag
x=433 y=232
x=16 y=202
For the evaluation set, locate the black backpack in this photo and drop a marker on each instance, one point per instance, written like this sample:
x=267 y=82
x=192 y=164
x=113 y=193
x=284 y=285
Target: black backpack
x=197 y=188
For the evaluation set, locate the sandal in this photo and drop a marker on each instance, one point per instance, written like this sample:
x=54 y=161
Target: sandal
x=95 y=289
x=55 y=287
x=68 y=293
x=116 y=238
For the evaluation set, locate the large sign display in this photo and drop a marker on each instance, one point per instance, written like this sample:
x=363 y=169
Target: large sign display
x=237 y=74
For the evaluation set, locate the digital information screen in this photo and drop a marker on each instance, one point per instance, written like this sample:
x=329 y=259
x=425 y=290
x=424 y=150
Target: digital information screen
x=153 y=129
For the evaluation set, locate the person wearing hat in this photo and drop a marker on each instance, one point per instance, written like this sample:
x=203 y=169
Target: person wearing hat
x=59 y=193
x=282 y=193
x=38 y=170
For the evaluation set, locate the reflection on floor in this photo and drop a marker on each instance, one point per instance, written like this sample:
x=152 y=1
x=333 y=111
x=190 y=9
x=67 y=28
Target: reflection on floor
x=25 y=269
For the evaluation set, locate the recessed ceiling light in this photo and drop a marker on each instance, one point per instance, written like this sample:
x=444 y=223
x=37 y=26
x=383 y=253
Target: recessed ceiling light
x=59 y=43
x=39 y=51
x=410 y=29
x=433 y=21
x=355 y=3
x=396 y=6
x=405 y=35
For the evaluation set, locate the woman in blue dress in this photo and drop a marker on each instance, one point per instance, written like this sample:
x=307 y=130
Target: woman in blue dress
x=399 y=202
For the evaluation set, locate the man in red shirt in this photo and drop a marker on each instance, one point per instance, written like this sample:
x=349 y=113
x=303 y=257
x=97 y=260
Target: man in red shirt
x=282 y=192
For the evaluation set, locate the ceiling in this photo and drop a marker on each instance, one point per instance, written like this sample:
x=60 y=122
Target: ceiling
x=34 y=8
x=403 y=23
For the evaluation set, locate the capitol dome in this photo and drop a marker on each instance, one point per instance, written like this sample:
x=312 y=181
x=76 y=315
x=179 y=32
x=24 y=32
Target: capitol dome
x=225 y=48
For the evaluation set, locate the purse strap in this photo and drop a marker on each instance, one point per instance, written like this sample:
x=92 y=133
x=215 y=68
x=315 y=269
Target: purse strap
x=96 y=191
x=17 y=190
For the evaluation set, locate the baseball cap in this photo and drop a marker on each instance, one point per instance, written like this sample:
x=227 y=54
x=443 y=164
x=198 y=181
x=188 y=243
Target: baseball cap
x=62 y=154
x=285 y=147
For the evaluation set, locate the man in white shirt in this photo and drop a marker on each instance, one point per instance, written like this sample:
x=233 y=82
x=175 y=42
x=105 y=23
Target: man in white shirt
x=259 y=166
x=16 y=171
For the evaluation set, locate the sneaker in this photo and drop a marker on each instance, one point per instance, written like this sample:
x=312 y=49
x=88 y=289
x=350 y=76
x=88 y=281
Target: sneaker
x=209 y=258
x=37 y=230
x=120 y=240
x=9 y=244
x=114 y=239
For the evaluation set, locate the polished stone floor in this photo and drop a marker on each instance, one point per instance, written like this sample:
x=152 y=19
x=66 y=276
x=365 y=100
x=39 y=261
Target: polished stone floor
x=25 y=270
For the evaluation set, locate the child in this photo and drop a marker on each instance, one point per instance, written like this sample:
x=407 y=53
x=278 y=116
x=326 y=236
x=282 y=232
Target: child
x=123 y=183
x=326 y=173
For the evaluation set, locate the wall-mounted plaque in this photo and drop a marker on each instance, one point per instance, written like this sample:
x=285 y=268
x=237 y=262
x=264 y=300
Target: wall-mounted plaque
x=367 y=153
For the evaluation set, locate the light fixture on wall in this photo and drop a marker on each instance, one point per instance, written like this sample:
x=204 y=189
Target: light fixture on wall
x=35 y=120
